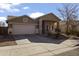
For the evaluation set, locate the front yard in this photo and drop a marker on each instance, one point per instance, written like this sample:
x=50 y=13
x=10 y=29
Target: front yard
x=7 y=41
x=37 y=45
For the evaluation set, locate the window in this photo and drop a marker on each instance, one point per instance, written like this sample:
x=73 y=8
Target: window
x=25 y=19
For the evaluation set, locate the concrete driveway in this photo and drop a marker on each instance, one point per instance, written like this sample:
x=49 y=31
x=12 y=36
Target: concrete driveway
x=38 y=45
x=21 y=39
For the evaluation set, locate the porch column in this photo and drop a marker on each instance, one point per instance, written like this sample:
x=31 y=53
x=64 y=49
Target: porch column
x=57 y=25
x=57 y=29
x=40 y=26
x=51 y=26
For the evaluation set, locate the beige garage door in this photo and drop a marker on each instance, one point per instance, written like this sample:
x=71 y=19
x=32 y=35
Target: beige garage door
x=24 y=29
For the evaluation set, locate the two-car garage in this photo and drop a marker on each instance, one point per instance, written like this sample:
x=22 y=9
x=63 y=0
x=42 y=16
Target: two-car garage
x=23 y=29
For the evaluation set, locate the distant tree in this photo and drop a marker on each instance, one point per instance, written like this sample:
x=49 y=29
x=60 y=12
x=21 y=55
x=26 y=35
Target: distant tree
x=69 y=13
x=2 y=24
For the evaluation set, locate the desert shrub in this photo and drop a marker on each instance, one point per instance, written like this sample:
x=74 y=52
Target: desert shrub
x=77 y=33
x=50 y=34
x=67 y=32
x=73 y=32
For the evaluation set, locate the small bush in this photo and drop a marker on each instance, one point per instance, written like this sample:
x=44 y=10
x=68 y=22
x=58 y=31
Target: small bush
x=50 y=34
x=73 y=32
x=77 y=33
x=68 y=33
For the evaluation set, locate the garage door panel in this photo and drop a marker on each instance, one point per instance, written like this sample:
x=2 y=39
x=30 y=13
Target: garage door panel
x=23 y=29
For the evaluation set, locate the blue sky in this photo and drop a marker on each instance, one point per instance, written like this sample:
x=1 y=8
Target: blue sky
x=31 y=9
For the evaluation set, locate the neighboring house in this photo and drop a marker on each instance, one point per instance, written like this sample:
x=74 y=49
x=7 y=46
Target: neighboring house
x=26 y=25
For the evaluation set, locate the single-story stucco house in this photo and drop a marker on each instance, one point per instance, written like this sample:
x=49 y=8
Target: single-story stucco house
x=26 y=25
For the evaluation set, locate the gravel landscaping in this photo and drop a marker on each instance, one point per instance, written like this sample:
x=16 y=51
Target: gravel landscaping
x=7 y=41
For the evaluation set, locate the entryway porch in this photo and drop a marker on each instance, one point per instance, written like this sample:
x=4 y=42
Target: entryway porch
x=49 y=26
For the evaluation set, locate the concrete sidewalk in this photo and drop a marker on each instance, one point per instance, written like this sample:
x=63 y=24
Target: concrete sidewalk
x=34 y=49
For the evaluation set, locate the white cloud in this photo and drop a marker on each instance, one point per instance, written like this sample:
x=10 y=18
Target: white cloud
x=16 y=10
x=13 y=10
x=5 y=6
x=25 y=7
x=8 y=6
x=36 y=14
x=15 y=3
x=3 y=18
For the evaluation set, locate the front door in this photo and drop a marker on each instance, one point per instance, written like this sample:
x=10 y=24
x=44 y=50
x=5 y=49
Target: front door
x=45 y=27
